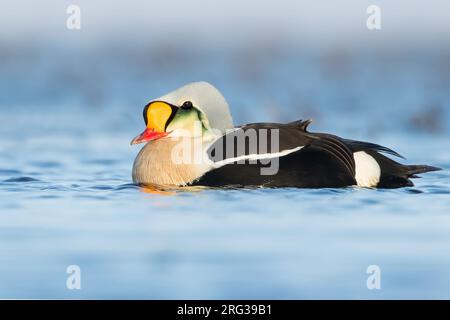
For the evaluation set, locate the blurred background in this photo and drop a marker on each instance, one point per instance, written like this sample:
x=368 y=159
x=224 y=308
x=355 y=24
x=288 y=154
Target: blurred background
x=273 y=61
x=71 y=101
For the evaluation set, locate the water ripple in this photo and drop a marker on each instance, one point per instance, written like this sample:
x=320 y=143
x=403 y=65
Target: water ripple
x=102 y=187
x=46 y=164
x=22 y=179
x=9 y=172
x=127 y=186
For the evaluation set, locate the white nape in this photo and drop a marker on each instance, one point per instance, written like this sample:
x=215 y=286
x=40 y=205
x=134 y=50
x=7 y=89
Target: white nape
x=205 y=97
x=368 y=171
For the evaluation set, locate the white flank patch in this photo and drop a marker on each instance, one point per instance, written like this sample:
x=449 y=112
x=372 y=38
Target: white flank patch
x=255 y=157
x=368 y=171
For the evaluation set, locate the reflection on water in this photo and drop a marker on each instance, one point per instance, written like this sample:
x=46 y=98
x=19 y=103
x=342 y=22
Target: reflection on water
x=66 y=195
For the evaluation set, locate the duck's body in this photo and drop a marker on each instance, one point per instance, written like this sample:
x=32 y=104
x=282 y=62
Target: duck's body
x=149 y=169
x=256 y=155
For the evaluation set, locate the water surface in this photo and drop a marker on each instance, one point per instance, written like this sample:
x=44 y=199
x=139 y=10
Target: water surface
x=66 y=196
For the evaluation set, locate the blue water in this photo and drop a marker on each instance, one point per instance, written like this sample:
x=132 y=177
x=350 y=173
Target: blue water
x=66 y=198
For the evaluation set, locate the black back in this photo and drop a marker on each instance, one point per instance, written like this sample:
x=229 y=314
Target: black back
x=323 y=160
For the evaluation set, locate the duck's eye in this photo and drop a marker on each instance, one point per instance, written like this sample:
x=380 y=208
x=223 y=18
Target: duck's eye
x=187 y=105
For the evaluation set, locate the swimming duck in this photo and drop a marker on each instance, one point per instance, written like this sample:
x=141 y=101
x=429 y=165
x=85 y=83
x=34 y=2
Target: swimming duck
x=191 y=141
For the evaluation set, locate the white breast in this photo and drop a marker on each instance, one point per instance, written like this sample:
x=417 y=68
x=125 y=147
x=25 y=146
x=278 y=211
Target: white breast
x=368 y=171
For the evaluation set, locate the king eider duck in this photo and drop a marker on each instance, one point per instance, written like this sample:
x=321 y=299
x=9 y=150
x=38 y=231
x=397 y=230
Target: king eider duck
x=191 y=141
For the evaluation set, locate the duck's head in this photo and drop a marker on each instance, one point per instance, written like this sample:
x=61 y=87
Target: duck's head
x=181 y=112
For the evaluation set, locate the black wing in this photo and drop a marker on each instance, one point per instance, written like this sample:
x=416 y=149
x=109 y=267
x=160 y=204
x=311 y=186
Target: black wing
x=356 y=146
x=302 y=159
x=257 y=139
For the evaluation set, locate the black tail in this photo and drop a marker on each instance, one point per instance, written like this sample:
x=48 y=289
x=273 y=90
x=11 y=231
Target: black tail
x=412 y=171
x=397 y=175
